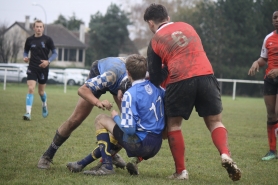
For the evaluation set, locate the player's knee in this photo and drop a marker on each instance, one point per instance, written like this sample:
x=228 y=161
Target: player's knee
x=98 y=120
x=31 y=90
x=41 y=93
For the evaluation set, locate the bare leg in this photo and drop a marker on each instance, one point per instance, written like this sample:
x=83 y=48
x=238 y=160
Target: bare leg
x=41 y=89
x=80 y=113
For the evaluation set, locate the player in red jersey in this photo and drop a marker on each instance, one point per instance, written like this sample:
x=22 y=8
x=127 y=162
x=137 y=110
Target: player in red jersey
x=269 y=56
x=189 y=83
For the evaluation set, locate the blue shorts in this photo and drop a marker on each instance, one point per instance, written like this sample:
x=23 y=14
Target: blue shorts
x=146 y=148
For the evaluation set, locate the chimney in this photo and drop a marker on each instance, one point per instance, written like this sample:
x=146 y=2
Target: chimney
x=27 y=22
x=82 y=33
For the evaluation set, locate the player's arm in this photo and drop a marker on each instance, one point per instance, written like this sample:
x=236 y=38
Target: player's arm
x=127 y=123
x=118 y=121
x=256 y=66
x=92 y=85
x=54 y=53
x=262 y=61
x=156 y=73
x=87 y=95
x=123 y=87
x=26 y=51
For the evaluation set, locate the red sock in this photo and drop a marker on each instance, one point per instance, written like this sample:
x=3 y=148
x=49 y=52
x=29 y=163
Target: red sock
x=176 y=143
x=220 y=140
x=272 y=133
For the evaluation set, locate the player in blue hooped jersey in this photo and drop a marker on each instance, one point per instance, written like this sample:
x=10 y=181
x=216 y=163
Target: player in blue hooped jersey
x=105 y=76
x=138 y=131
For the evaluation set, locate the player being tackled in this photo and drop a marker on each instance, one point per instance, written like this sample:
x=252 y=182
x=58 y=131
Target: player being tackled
x=138 y=130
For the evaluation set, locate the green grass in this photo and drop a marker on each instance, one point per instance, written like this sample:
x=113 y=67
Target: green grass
x=23 y=142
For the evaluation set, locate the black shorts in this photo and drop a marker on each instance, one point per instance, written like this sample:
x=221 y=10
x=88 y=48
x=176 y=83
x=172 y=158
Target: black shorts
x=203 y=92
x=37 y=74
x=270 y=86
x=94 y=72
x=146 y=149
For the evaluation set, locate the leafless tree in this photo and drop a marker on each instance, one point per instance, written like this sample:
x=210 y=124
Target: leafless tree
x=16 y=45
x=139 y=30
x=5 y=51
x=10 y=45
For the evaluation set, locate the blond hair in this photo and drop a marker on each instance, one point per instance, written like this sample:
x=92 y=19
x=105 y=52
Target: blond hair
x=37 y=21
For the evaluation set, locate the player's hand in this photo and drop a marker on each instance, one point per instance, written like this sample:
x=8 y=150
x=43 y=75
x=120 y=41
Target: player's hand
x=254 y=68
x=273 y=73
x=104 y=104
x=44 y=63
x=107 y=105
x=26 y=59
x=114 y=113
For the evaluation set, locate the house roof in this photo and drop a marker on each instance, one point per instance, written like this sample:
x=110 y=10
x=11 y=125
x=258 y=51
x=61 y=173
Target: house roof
x=61 y=36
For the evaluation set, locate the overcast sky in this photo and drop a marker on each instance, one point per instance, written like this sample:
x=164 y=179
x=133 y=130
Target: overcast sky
x=16 y=10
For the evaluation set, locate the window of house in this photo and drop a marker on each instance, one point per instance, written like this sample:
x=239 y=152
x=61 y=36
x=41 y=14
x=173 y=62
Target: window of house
x=60 y=52
x=80 y=57
x=72 y=55
x=66 y=52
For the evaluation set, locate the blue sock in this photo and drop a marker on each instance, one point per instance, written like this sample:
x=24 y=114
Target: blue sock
x=29 y=99
x=44 y=97
x=29 y=102
x=87 y=160
x=104 y=147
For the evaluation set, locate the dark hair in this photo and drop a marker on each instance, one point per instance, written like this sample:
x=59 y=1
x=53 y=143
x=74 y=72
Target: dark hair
x=136 y=65
x=156 y=13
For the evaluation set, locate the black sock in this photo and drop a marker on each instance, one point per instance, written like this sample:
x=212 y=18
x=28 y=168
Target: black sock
x=58 y=140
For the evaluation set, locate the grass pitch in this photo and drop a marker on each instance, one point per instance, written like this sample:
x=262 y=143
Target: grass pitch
x=23 y=142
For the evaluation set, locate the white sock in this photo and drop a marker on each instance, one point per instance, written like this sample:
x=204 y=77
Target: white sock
x=28 y=109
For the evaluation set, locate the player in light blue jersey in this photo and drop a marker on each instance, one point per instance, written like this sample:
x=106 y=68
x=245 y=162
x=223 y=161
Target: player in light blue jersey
x=105 y=75
x=139 y=130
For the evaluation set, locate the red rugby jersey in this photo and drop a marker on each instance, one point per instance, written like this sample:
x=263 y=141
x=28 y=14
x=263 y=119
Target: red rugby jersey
x=181 y=50
x=270 y=51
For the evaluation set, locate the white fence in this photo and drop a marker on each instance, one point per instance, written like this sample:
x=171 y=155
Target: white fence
x=5 y=74
x=239 y=81
x=18 y=70
x=234 y=81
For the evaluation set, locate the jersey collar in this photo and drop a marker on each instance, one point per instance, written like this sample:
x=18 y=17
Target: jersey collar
x=163 y=25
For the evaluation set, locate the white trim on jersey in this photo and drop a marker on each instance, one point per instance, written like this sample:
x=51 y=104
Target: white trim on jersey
x=127 y=116
x=264 y=51
x=101 y=81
